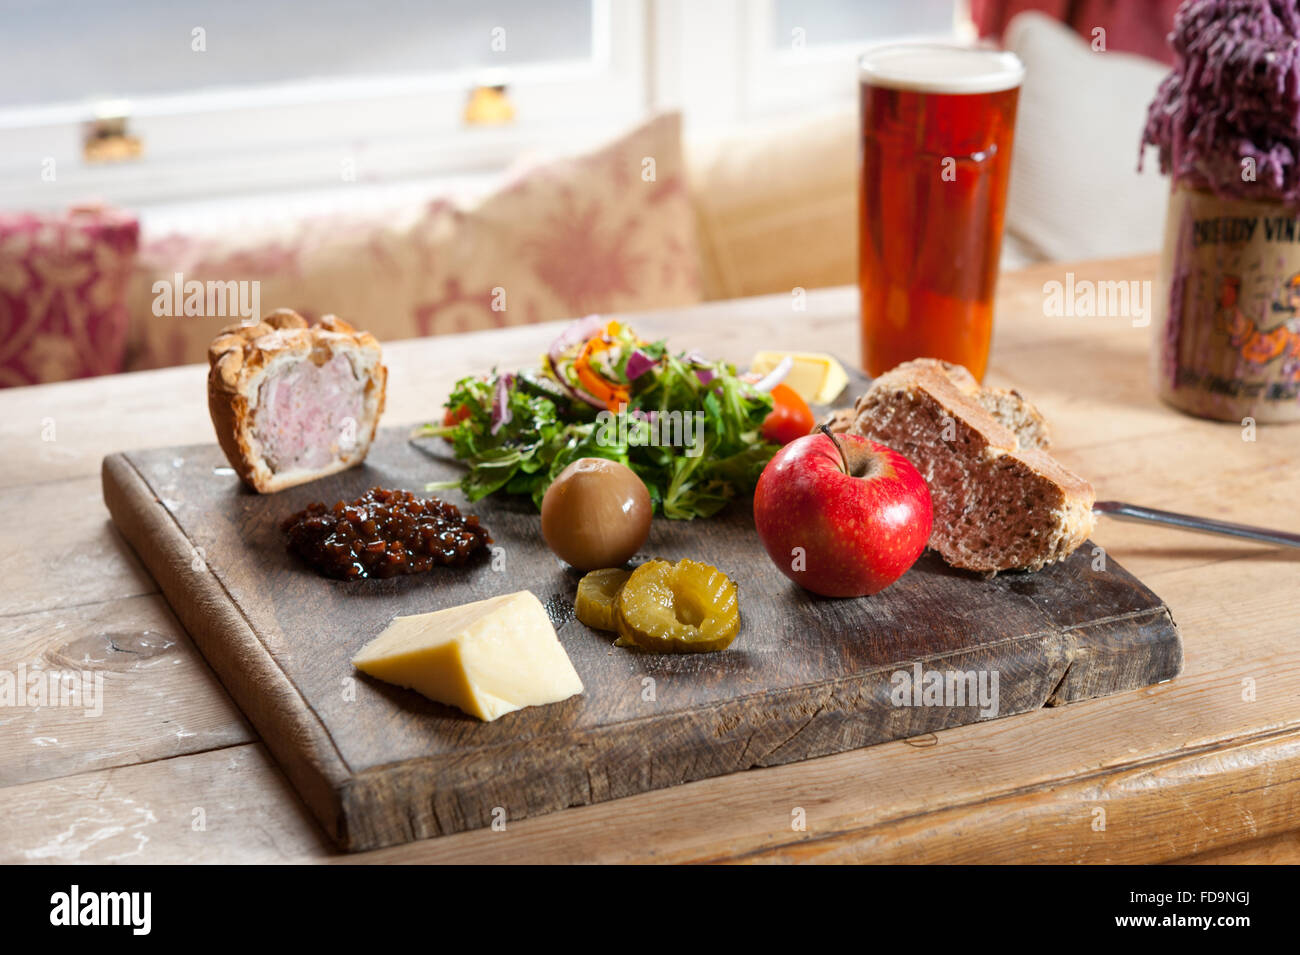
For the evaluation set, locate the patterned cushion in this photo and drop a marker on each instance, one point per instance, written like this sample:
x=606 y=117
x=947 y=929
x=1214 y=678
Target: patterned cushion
x=63 y=282
x=777 y=204
x=610 y=230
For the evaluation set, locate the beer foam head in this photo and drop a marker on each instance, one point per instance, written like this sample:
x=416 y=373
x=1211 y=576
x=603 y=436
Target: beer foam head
x=937 y=68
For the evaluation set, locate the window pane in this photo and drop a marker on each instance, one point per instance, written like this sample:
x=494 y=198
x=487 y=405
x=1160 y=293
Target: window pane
x=75 y=50
x=846 y=21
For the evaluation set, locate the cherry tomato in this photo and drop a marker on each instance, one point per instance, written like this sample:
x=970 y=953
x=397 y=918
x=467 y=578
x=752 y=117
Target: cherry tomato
x=790 y=417
x=454 y=416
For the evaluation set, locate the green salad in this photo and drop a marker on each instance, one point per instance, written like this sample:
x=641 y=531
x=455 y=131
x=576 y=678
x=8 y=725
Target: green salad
x=690 y=428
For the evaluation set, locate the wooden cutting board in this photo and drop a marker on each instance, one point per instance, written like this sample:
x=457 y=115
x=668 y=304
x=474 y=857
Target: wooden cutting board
x=808 y=676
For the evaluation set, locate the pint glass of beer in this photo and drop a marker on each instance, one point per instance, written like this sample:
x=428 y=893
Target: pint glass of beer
x=937 y=125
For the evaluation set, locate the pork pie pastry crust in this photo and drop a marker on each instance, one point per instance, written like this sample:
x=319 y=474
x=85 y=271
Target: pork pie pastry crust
x=1001 y=502
x=291 y=402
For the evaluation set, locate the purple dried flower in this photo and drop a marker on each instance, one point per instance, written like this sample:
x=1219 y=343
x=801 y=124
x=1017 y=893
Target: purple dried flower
x=1227 y=119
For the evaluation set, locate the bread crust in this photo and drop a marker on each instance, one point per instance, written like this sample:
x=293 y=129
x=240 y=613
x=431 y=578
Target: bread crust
x=239 y=359
x=1008 y=407
x=943 y=393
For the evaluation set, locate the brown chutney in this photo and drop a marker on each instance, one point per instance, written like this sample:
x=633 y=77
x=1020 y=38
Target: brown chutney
x=383 y=534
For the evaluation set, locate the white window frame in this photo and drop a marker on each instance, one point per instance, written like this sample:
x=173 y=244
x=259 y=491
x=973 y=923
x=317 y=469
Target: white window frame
x=783 y=78
x=715 y=60
x=187 y=150
x=718 y=62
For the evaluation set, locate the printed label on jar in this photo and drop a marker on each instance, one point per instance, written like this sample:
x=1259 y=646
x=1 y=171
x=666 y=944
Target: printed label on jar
x=1228 y=342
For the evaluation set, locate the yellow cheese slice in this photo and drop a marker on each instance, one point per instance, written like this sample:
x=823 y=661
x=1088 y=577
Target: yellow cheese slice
x=488 y=658
x=816 y=377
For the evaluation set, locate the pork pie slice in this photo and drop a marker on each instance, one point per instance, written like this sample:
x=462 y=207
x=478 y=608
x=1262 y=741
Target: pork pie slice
x=291 y=402
x=1001 y=502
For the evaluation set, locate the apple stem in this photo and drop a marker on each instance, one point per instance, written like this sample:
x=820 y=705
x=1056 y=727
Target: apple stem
x=825 y=429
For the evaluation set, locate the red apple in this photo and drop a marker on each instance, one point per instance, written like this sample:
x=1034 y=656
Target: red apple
x=841 y=515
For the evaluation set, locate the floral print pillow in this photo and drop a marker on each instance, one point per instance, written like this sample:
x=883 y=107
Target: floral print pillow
x=63 y=283
x=608 y=230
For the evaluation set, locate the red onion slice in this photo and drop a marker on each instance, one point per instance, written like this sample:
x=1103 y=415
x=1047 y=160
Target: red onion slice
x=638 y=363
x=577 y=393
x=575 y=333
x=775 y=376
x=501 y=415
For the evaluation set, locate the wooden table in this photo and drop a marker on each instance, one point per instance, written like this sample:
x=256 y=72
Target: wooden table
x=1206 y=766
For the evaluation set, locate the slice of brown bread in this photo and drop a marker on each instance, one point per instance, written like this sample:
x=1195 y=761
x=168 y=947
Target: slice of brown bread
x=839 y=421
x=1012 y=411
x=1001 y=502
x=1008 y=406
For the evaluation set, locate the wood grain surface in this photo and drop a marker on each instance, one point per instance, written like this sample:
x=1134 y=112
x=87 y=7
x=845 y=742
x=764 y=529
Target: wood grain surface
x=808 y=676
x=1202 y=768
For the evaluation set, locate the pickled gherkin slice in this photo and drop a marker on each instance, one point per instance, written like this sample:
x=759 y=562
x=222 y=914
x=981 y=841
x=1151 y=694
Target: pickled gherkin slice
x=686 y=607
x=597 y=592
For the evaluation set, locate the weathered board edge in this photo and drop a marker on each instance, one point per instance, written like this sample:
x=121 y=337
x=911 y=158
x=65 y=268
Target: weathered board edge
x=620 y=760
x=427 y=797
x=431 y=796
x=1115 y=648
x=283 y=719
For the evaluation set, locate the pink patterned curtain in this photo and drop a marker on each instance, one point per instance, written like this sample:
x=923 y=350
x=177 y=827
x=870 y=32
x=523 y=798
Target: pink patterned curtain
x=1132 y=26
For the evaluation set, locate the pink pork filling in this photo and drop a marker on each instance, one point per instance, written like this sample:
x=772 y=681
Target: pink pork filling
x=308 y=414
